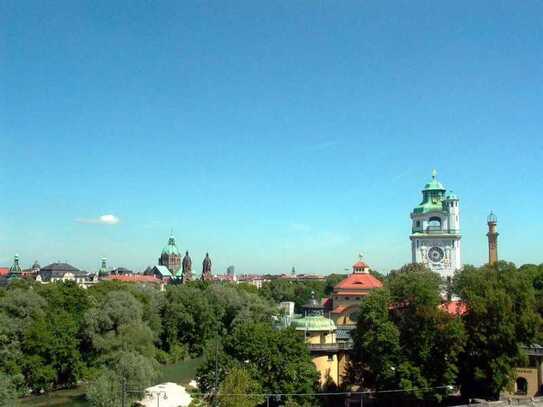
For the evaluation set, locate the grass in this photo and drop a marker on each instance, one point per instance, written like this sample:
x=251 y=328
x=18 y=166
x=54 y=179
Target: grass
x=181 y=372
x=61 y=398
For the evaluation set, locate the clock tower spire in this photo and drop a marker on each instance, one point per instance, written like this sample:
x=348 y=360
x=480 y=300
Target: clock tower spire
x=435 y=233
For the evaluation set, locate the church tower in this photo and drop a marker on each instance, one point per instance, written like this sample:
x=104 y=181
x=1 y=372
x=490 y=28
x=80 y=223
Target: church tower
x=492 y=235
x=170 y=256
x=435 y=234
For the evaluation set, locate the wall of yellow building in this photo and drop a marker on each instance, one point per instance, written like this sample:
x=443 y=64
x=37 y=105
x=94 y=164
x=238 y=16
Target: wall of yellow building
x=343 y=363
x=319 y=338
x=327 y=366
x=531 y=376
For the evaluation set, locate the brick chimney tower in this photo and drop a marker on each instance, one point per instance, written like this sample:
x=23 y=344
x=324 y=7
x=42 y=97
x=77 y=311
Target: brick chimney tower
x=492 y=235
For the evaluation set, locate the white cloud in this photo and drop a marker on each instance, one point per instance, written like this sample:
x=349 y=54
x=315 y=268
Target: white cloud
x=103 y=220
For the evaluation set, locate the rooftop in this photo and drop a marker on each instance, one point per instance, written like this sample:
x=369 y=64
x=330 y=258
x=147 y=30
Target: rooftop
x=358 y=281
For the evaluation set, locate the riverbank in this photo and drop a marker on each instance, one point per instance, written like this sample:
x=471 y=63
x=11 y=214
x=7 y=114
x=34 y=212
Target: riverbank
x=180 y=373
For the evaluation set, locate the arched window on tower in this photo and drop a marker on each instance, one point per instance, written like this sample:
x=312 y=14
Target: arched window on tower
x=434 y=224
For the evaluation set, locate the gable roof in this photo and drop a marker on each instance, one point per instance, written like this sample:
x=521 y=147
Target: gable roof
x=65 y=267
x=162 y=270
x=358 y=281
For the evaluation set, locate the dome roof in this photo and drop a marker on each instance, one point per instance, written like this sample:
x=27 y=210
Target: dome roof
x=434 y=184
x=492 y=218
x=451 y=195
x=171 y=248
x=313 y=323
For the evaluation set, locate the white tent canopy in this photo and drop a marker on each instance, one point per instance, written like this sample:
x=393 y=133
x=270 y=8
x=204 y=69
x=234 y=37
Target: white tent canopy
x=168 y=394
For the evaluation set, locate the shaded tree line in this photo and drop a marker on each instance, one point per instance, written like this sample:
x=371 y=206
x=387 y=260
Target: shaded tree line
x=406 y=340
x=60 y=335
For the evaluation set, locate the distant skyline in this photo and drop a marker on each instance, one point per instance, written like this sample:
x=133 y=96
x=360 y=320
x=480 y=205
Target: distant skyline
x=269 y=134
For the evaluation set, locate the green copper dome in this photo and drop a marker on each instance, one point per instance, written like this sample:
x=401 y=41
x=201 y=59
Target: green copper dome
x=171 y=248
x=451 y=195
x=433 y=195
x=434 y=184
x=313 y=323
x=15 y=268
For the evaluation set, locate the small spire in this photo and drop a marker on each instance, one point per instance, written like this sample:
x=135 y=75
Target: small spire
x=360 y=256
x=434 y=174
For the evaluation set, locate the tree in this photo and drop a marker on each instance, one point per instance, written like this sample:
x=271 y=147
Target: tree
x=278 y=359
x=8 y=393
x=188 y=318
x=376 y=344
x=501 y=318
x=403 y=340
x=238 y=389
x=117 y=325
x=131 y=373
x=105 y=391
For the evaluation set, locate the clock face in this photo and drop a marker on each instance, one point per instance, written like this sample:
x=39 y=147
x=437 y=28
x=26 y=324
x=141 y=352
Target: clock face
x=435 y=254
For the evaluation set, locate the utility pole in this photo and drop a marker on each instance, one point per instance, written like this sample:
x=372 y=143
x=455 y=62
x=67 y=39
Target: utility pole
x=123 y=401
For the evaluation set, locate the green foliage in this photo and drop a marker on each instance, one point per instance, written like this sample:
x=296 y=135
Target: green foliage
x=403 y=340
x=189 y=318
x=278 y=359
x=8 y=393
x=376 y=350
x=236 y=390
x=106 y=390
x=501 y=318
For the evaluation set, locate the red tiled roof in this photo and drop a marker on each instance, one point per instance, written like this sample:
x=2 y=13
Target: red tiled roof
x=359 y=282
x=4 y=271
x=134 y=278
x=351 y=293
x=455 y=308
x=339 y=309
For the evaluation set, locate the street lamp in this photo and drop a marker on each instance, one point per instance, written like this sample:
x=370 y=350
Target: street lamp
x=160 y=393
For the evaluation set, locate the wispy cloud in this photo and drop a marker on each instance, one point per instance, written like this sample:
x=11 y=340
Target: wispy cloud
x=101 y=220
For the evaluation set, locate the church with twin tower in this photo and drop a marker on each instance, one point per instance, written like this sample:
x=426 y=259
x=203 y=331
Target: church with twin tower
x=435 y=234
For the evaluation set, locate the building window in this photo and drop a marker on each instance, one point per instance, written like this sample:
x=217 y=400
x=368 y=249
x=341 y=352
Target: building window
x=418 y=223
x=330 y=358
x=347 y=298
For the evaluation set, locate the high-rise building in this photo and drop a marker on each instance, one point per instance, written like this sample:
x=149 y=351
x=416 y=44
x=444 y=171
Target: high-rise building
x=492 y=222
x=435 y=236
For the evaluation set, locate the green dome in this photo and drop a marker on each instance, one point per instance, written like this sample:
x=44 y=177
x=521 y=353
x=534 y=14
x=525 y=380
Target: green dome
x=434 y=184
x=433 y=195
x=313 y=323
x=451 y=195
x=171 y=248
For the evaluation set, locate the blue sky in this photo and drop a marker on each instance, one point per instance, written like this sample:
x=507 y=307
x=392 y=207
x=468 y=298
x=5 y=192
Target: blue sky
x=270 y=134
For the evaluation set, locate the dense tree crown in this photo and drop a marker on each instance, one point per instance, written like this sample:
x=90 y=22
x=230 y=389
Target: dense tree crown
x=404 y=340
x=58 y=335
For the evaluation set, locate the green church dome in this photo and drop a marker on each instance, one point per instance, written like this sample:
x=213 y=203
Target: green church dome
x=313 y=323
x=434 y=184
x=171 y=248
x=433 y=195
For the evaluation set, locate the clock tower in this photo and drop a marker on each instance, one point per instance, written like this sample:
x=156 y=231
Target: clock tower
x=435 y=235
